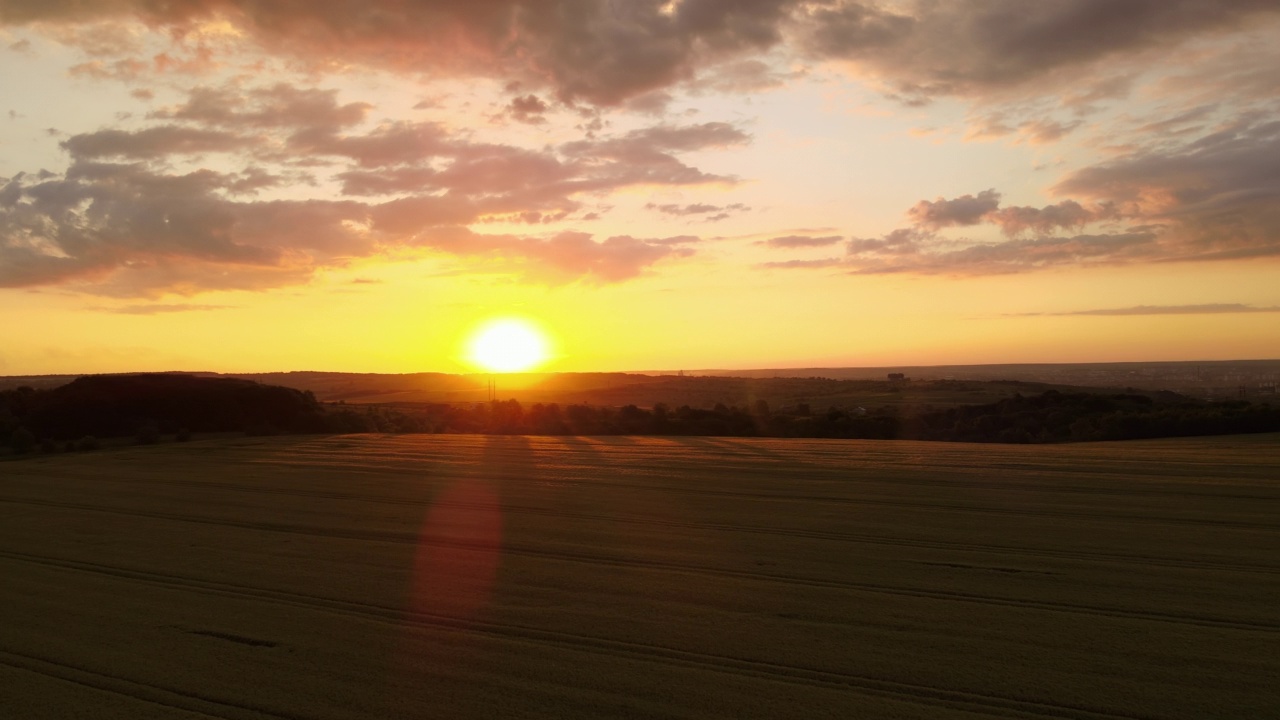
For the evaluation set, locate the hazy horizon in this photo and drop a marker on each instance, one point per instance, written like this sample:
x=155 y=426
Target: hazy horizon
x=668 y=371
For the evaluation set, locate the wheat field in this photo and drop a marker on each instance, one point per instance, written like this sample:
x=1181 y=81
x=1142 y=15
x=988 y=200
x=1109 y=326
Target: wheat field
x=431 y=576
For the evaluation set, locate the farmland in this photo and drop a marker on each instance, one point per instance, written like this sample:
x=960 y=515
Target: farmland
x=430 y=576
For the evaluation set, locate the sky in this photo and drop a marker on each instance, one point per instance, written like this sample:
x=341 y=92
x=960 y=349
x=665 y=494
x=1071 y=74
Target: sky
x=242 y=186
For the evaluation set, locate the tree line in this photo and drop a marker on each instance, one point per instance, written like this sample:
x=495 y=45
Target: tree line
x=148 y=407
x=1049 y=417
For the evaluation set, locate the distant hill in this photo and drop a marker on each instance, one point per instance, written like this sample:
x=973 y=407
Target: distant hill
x=943 y=385
x=123 y=405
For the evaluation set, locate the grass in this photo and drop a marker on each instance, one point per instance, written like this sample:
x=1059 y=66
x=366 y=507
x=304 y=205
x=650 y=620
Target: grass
x=469 y=576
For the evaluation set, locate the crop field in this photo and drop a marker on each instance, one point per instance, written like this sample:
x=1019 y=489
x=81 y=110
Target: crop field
x=448 y=576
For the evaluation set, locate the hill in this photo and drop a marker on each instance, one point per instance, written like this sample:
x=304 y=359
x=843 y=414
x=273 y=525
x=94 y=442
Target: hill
x=124 y=405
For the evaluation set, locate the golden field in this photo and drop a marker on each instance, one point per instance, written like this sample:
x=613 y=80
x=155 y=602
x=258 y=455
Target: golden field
x=442 y=576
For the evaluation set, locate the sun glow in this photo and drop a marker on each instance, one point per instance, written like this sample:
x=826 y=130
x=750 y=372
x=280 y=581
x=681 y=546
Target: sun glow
x=508 y=345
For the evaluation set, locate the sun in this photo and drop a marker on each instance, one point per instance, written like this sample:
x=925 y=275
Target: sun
x=508 y=345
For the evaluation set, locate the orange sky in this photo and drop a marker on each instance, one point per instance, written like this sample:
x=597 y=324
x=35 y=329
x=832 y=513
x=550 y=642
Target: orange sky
x=658 y=185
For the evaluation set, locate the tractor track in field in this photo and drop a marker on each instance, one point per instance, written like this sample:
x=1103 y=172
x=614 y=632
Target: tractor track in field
x=586 y=558
x=165 y=697
x=768 y=470
x=728 y=527
x=927 y=695
x=830 y=499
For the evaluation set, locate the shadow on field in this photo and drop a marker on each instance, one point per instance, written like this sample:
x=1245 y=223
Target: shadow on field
x=507 y=455
x=586 y=451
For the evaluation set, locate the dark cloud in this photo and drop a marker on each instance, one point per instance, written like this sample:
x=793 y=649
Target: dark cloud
x=1212 y=198
x=969 y=210
x=104 y=219
x=251 y=180
x=160 y=308
x=397 y=143
x=801 y=241
x=965 y=210
x=601 y=52
x=278 y=106
x=607 y=53
x=528 y=109
x=1218 y=196
x=153 y=142
x=120 y=230
x=1209 y=309
x=926 y=49
x=1065 y=215
x=121 y=221
x=711 y=213
x=927 y=256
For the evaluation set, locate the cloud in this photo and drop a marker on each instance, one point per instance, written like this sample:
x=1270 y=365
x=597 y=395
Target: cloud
x=607 y=53
x=921 y=251
x=802 y=264
x=925 y=50
x=122 y=221
x=1067 y=214
x=99 y=220
x=1212 y=197
x=801 y=241
x=603 y=53
x=389 y=144
x=1209 y=309
x=528 y=109
x=153 y=142
x=742 y=76
x=159 y=308
x=675 y=240
x=1217 y=195
x=563 y=257
x=1011 y=256
x=712 y=213
x=278 y=106
x=970 y=210
x=965 y=210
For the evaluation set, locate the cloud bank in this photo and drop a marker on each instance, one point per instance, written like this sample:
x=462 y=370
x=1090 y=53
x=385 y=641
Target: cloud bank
x=1211 y=198
x=608 y=52
x=261 y=186
x=122 y=221
x=1208 y=309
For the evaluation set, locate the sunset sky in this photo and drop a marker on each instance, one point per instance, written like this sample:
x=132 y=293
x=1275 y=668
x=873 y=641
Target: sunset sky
x=356 y=185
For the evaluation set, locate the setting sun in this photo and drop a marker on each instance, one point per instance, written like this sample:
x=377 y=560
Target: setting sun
x=508 y=345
